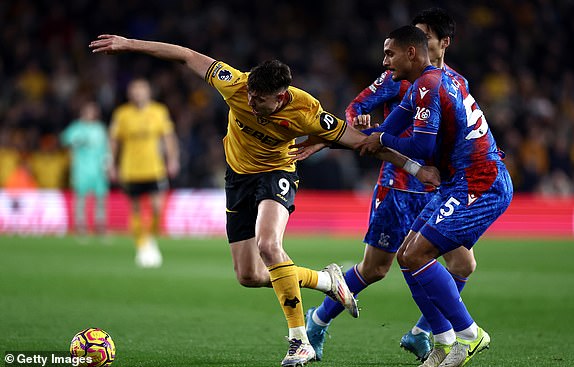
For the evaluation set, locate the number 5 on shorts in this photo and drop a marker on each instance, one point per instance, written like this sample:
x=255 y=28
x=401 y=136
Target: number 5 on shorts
x=447 y=209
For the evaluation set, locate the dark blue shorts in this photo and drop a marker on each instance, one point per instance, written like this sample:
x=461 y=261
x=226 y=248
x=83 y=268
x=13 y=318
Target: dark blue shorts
x=457 y=217
x=392 y=214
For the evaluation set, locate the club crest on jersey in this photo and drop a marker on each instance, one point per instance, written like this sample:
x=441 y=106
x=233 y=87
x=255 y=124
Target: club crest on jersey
x=328 y=121
x=422 y=113
x=262 y=121
x=224 y=74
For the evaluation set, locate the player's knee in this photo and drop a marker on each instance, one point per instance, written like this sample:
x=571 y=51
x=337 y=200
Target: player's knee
x=411 y=260
x=269 y=250
x=462 y=268
x=407 y=261
x=373 y=272
x=404 y=257
x=401 y=253
x=252 y=280
x=401 y=259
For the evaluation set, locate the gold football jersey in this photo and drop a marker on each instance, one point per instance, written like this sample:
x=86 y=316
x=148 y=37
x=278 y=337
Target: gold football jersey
x=260 y=144
x=139 y=133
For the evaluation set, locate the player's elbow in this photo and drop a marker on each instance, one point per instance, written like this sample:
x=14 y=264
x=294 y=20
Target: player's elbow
x=421 y=151
x=196 y=61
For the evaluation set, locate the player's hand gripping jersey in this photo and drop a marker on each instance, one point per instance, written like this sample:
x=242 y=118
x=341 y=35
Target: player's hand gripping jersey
x=386 y=93
x=261 y=144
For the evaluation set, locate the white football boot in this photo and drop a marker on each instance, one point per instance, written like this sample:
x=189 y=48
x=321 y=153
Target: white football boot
x=148 y=255
x=299 y=354
x=340 y=291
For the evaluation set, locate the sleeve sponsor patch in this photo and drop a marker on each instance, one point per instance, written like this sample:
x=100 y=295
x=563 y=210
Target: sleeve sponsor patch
x=380 y=80
x=328 y=121
x=216 y=67
x=422 y=113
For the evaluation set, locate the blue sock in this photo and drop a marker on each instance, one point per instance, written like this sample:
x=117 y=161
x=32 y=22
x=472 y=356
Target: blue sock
x=441 y=289
x=459 y=281
x=330 y=309
x=422 y=323
x=434 y=319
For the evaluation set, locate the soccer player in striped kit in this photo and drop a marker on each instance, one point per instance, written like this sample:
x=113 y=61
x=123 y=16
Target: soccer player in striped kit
x=398 y=198
x=475 y=189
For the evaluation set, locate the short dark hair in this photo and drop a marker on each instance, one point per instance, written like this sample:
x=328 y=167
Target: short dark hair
x=438 y=21
x=409 y=35
x=269 y=77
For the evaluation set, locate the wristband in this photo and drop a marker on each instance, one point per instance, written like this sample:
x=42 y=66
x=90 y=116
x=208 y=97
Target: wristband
x=381 y=139
x=411 y=167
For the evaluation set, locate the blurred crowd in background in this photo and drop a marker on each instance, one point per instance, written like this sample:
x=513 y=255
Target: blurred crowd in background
x=514 y=53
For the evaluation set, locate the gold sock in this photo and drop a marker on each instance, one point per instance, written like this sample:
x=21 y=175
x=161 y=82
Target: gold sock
x=307 y=278
x=136 y=226
x=286 y=286
x=155 y=224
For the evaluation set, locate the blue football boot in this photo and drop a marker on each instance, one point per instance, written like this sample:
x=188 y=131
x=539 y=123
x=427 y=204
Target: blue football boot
x=316 y=334
x=420 y=344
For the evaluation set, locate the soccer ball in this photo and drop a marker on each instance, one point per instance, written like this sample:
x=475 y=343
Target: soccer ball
x=96 y=344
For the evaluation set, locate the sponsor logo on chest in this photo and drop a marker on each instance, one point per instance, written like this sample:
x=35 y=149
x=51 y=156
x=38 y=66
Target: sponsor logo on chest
x=264 y=138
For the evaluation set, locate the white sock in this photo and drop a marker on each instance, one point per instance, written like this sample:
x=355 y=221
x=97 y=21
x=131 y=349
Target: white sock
x=317 y=320
x=446 y=338
x=323 y=281
x=298 y=333
x=417 y=330
x=470 y=333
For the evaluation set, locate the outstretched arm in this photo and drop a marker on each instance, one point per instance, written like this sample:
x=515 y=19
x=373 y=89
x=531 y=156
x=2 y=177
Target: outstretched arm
x=428 y=175
x=111 y=44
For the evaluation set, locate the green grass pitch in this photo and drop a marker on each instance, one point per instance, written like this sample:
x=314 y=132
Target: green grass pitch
x=192 y=312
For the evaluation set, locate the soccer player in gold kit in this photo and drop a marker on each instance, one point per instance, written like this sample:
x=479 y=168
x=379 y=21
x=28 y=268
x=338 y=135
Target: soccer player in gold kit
x=139 y=131
x=266 y=114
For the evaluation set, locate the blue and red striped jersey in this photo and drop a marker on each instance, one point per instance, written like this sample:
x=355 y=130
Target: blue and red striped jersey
x=444 y=108
x=386 y=93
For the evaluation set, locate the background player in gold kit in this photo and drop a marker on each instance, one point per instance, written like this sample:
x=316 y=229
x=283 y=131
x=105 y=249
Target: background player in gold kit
x=140 y=130
x=266 y=115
